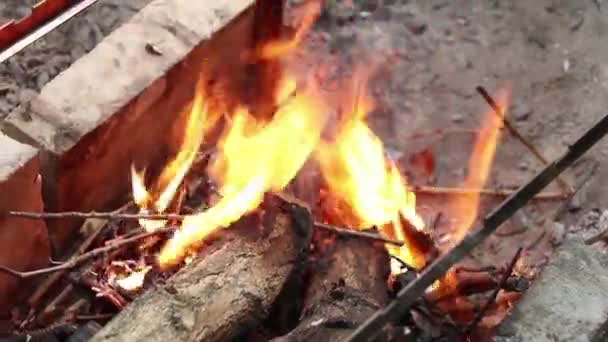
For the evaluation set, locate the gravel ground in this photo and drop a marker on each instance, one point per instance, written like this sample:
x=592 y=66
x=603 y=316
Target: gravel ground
x=41 y=62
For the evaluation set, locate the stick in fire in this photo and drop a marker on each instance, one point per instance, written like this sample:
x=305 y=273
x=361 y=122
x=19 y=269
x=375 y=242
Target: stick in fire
x=414 y=290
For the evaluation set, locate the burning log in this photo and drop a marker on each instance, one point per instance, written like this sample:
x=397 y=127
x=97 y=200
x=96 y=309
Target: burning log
x=348 y=285
x=228 y=289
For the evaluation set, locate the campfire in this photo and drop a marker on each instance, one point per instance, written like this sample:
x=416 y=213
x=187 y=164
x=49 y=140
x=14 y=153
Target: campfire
x=282 y=216
x=314 y=150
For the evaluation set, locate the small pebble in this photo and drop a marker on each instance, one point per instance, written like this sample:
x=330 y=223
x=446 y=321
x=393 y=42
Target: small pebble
x=557 y=234
x=457 y=118
x=523 y=165
x=522 y=112
x=566 y=65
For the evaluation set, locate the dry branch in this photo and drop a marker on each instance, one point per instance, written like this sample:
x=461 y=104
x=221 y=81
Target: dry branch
x=112 y=215
x=179 y=217
x=357 y=234
x=492 y=299
x=514 y=132
x=435 y=190
x=412 y=292
x=75 y=261
x=225 y=291
x=348 y=285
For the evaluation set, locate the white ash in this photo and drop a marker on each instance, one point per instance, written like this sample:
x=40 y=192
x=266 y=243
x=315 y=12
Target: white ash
x=591 y=224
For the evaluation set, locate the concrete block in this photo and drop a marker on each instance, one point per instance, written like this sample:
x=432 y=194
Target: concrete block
x=24 y=242
x=567 y=302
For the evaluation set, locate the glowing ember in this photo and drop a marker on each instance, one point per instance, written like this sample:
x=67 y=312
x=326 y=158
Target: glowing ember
x=134 y=281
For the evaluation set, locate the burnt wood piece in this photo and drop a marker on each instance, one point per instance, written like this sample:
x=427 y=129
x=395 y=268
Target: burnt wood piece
x=348 y=285
x=266 y=73
x=228 y=289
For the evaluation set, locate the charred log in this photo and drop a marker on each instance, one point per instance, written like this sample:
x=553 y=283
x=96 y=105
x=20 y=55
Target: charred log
x=348 y=284
x=228 y=289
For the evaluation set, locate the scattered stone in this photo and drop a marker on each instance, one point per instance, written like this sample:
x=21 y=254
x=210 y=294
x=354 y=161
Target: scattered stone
x=523 y=165
x=591 y=224
x=567 y=302
x=417 y=28
x=566 y=65
x=558 y=233
x=457 y=118
x=522 y=112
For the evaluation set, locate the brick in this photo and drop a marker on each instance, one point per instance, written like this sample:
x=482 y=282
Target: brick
x=567 y=302
x=102 y=82
x=121 y=105
x=24 y=242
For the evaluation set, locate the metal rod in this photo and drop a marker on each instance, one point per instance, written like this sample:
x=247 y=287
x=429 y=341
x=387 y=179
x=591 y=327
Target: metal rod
x=44 y=29
x=414 y=290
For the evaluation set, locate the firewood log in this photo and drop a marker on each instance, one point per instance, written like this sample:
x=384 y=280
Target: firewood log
x=348 y=285
x=228 y=289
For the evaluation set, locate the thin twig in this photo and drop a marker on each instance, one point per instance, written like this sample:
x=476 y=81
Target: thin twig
x=357 y=234
x=73 y=262
x=492 y=298
x=412 y=292
x=514 y=132
x=179 y=217
x=95 y=317
x=434 y=190
x=436 y=221
x=441 y=131
x=112 y=215
x=536 y=241
x=49 y=282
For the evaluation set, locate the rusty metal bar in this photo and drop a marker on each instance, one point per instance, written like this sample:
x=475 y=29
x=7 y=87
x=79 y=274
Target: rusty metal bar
x=46 y=16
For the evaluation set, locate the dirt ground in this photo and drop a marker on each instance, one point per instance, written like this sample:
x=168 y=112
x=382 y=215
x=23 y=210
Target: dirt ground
x=437 y=52
x=434 y=54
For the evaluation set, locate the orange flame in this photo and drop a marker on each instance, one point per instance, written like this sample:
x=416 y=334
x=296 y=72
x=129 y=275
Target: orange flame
x=135 y=280
x=280 y=48
x=464 y=208
x=357 y=172
x=253 y=159
x=198 y=121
